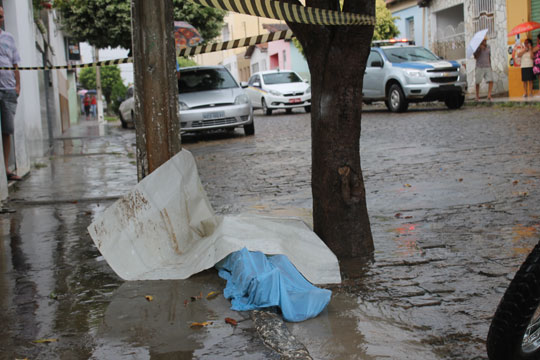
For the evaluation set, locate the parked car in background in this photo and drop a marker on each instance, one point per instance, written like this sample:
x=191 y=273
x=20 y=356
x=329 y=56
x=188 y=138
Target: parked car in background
x=209 y=98
x=126 y=109
x=399 y=73
x=278 y=89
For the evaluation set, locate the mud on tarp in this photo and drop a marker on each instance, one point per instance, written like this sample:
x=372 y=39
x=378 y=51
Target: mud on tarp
x=255 y=281
x=165 y=228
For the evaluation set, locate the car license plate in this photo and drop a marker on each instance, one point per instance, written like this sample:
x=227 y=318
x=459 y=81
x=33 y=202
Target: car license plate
x=295 y=100
x=214 y=115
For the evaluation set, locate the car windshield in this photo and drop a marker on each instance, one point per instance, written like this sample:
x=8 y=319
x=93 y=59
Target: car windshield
x=281 y=78
x=193 y=80
x=406 y=53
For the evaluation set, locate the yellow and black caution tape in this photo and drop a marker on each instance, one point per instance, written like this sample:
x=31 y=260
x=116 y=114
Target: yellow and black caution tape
x=74 y=66
x=201 y=49
x=233 y=44
x=281 y=10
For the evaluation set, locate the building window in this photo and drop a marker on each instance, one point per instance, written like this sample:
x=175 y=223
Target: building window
x=263 y=65
x=255 y=68
x=484 y=16
x=284 y=59
x=225 y=33
x=409 y=26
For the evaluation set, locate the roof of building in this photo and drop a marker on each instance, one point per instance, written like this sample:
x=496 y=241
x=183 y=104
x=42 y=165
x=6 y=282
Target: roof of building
x=275 y=27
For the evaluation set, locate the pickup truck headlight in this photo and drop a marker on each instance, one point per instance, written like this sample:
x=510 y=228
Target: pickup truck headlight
x=182 y=105
x=308 y=90
x=274 y=92
x=241 y=99
x=414 y=73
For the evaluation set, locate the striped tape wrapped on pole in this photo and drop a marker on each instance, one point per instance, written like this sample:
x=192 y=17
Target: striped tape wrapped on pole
x=281 y=10
x=201 y=49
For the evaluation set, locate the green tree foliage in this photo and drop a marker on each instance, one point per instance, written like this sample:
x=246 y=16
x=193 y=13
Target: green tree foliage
x=185 y=62
x=105 y=23
x=111 y=84
x=385 y=28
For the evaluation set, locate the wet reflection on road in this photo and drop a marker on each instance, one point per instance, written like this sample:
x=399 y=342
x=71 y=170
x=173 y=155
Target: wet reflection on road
x=452 y=197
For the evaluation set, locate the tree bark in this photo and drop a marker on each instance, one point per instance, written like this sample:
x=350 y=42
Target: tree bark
x=156 y=88
x=337 y=58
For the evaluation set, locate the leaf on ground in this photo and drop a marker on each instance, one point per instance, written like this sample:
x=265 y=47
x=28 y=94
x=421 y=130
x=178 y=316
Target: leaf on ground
x=45 y=341
x=231 y=321
x=397 y=215
x=515 y=182
x=407 y=185
x=198 y=325
x=149 y=297
x=186 y=302
x=212 y=295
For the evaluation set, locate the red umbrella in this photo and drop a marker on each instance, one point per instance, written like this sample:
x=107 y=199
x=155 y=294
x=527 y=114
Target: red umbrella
x=524 y=27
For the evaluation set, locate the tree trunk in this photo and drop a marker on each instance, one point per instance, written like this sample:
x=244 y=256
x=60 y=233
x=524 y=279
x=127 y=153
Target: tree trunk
x=337 y=58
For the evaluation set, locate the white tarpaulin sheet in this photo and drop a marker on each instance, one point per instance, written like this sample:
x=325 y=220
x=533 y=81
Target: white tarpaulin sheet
x=165 y=228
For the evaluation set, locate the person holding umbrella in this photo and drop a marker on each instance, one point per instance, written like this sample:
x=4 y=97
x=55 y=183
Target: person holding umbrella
x=483 y=68
x=527 y=74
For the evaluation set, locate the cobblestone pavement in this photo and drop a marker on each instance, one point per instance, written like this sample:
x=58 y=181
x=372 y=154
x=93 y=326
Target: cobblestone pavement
x=452 y=197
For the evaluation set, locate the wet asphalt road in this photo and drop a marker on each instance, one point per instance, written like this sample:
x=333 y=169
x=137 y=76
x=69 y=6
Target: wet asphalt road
x=452 y=197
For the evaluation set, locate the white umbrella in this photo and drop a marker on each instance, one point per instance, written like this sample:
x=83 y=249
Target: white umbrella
x=475 y=42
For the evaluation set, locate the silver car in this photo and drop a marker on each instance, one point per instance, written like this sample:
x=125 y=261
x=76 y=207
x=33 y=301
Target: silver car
x=399 y=74
x=209 y=98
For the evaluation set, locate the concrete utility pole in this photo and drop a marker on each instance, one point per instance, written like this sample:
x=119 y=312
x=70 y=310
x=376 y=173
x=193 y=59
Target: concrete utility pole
x=99 y=92
x=156 y=89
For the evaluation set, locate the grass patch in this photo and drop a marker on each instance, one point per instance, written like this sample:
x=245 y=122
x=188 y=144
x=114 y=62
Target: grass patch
x=111 y=118
x=131 y=155
x=133 y=163
x=39 y=165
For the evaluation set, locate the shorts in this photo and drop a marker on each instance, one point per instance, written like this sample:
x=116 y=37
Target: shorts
x=527 y=74
x=8 y=106
x=483 y=73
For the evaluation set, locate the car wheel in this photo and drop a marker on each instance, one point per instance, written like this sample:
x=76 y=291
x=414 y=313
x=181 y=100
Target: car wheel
x=288 y=111
x=307 y=108
x=123 y=122
x=265 y=108
x=249 y=129
x=454 y=101
x=396 y=101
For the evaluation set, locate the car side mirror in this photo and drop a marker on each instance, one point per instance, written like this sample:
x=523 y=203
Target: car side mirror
x=257 y=84
x=306 y=81
x=243 y=84
x=377 y=63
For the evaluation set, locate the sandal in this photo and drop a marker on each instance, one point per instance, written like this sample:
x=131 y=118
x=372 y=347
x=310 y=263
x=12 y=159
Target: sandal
x=14 y=177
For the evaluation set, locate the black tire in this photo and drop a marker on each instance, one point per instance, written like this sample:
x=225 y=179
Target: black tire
x=396 y=101
x=249 y=129
x=454 y=101
x=506 y=338
x=288 y=111
x=308 y=108
x=122 y=121
x=265 y=108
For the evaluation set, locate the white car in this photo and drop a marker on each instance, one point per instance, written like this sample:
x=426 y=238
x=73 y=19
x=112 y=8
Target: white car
x=278 y=89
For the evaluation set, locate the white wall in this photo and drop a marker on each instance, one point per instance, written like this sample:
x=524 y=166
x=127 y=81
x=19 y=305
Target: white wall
x=19 y=22
x=261 y=58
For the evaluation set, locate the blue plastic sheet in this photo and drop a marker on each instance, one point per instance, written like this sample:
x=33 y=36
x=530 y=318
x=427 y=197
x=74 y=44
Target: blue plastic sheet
x=255 y=281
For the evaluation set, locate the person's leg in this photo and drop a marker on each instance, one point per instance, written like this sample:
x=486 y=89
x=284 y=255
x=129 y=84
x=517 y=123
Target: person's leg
x=525 y=88
x=490 y=87
x=478 y=80
x=530 y=87
x=6 y=144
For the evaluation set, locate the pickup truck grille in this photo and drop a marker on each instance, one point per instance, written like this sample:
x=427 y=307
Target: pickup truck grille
x=442 y=80
x=447 y=69
x=294 y=94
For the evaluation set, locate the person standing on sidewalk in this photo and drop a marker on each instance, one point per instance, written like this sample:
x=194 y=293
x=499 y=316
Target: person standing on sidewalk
x=527 y=74
x=93 y=106
x=86 y=103
x=10 y=88
x=483 y=68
